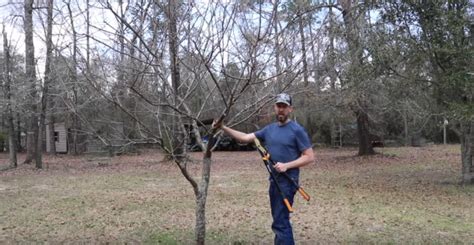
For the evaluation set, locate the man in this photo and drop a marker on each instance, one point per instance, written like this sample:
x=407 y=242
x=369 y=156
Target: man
x=290 y=148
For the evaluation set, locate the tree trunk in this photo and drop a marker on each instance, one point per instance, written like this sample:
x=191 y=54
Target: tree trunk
x=75 y=119
x=303 y=51
x=315 y=55
x=8 y=110
x=200 y=229
x=19 y=147
x=39 y=144
x=405 y=127
x=52 y=139
x=50 y=104
x=279 y=86
x=32 y=127
x=333 y=76
x=87 y=38
x=365 y=147
x=350 y=17
x=47 y=82
x=467 y=151
x=178 y=137
x=201 y=199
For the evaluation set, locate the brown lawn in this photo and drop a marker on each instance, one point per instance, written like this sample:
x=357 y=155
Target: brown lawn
x=405 y=195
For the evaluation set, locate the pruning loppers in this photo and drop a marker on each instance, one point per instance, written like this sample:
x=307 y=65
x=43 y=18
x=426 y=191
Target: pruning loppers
x=269 y=164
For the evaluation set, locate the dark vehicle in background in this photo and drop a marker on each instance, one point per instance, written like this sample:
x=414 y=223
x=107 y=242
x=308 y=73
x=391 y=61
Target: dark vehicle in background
x=225 y=143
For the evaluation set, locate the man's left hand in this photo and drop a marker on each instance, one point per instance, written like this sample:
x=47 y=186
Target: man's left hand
x=280 y=167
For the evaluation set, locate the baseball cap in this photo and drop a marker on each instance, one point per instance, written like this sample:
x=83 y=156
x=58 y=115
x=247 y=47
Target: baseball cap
x=283 y=98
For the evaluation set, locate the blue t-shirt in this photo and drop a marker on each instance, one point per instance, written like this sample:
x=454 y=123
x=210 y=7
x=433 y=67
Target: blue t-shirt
x=285 y=143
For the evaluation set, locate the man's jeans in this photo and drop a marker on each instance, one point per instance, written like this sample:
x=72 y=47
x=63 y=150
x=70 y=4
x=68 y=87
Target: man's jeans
x=281 y=216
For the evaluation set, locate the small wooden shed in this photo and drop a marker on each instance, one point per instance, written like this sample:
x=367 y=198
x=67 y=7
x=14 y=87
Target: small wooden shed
x=60 y=138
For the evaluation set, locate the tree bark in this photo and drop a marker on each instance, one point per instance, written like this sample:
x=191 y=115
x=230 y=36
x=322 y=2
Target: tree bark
x=19 y=147
x=405 y=127
x=365 y=147
x=47 y=82
x=178 y=139
x=87 y=38
x=32 y=127
x=8 y=110
x=467 y=151
x=303 y=51
x=279 y=86
x=201 y=199
x=52 y=139
x=333 y=76
x=75 y=127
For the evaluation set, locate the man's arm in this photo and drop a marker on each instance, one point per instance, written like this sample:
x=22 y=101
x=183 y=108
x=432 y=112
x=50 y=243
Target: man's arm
x=307 y=157
x=240 y=136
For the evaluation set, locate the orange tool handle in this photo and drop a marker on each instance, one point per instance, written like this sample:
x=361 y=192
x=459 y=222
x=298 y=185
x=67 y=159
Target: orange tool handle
x=304 y=194
x=287 y=204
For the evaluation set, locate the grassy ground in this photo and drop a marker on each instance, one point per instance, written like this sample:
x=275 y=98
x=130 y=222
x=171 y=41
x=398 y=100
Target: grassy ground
x=405 y=195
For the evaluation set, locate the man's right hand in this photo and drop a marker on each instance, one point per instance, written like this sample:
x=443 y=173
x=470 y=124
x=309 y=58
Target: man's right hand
x=217 y=124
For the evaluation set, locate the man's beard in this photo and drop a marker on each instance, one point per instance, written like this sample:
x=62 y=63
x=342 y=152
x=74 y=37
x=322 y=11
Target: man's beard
x=281 y=118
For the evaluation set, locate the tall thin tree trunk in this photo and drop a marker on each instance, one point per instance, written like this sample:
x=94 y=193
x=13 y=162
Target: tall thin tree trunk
x=303 y=51
x=121 y=73
x=75 y=119
x=279 y=86
x=333 y=76
x=19 y=147
x=405 y=126
x=467 y=152
x=315 y=55
x=32 y=127
x=52 y=139
x=47 y=83
x=305 y=101
x=87 y=38
x=8 y=109
x=178 y=139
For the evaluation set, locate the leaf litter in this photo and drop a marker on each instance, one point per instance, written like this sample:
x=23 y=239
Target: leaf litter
x=401 y=195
